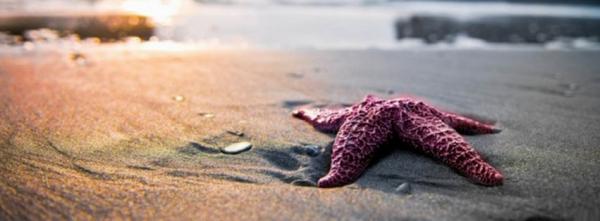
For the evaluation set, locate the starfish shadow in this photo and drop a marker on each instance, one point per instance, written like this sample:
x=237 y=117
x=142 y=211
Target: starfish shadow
x=393 y=165
x=396 y=163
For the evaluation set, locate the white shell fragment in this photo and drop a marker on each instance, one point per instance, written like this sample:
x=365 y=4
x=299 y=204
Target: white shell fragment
x=236 y=148
x=404 y=188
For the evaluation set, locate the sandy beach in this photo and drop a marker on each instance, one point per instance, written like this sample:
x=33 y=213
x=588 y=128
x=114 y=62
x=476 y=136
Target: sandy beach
x=135 y=134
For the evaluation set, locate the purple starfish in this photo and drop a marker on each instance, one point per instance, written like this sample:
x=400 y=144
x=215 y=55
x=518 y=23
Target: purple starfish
x=367 y=125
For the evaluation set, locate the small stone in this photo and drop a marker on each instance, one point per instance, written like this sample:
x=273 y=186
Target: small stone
x=178 y=98
x=236 y=133
x=295 y=75
x=78 y=58
x=237 y=148
x=307 y=149
x=312 y=150
x=404 y=188
x=206 y=115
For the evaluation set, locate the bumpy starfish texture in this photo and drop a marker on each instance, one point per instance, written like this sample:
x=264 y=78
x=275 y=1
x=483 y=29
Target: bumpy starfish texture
x=364 y=127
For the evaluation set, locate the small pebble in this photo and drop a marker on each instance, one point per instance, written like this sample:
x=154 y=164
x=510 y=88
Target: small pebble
x=236 y=133
x=569 y=89
x=404 y=188
x=207 y=115
x=295 y=75
x=78 y=58
x=237 y=148
x=312 y=150
x=178 y=98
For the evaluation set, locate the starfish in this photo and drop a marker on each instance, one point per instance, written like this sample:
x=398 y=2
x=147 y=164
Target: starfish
x=364 y=127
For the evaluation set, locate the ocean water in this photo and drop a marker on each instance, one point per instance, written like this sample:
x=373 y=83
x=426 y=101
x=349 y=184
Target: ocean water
x=311 y=24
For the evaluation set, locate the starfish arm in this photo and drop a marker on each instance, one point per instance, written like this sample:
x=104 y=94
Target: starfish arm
x=330 y=120
x=461 y=124
x=432 y=136
x=354 y=147
x=466 y=125
x=327 y=120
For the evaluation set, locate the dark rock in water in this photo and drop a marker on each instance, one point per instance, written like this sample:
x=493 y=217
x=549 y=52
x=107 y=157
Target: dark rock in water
x=404 y=188
x=105 y=26
x=498 y=28
x=237 y=148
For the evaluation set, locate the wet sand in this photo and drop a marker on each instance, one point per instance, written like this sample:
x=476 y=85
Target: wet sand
x=136 y=135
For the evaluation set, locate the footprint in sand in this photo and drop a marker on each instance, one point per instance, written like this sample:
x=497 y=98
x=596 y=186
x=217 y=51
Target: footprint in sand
x=300 y=165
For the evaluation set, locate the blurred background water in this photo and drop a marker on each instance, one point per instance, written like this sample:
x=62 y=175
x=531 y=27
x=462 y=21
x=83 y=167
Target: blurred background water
x=350 y=24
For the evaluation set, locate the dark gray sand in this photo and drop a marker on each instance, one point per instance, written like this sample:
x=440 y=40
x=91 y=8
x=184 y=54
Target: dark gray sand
x=136 y=134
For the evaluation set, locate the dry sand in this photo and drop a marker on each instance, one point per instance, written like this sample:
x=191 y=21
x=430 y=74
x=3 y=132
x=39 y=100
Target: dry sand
x=135 y=135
